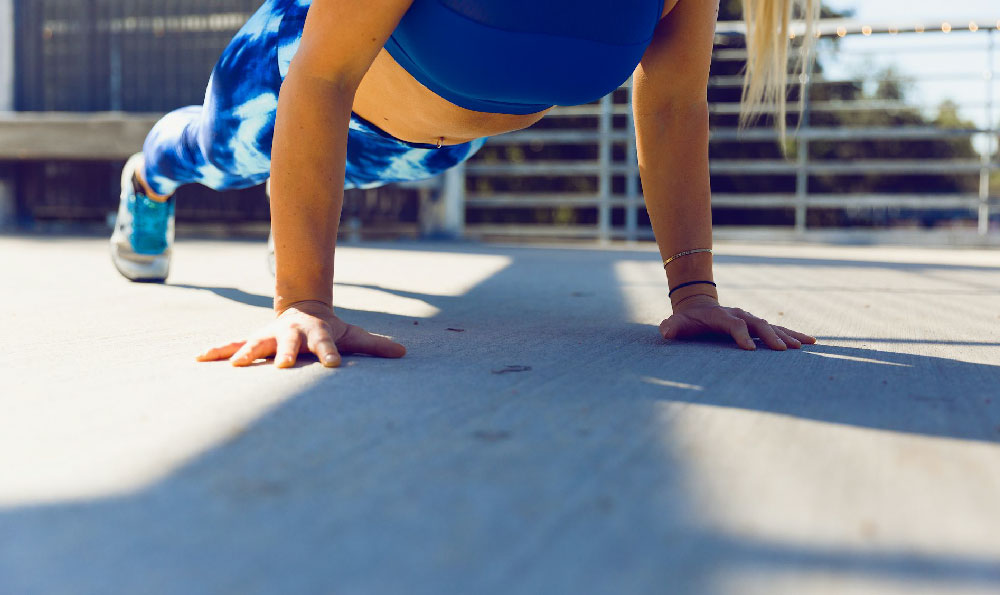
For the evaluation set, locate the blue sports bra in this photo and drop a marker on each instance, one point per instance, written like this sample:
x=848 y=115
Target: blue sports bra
x=523 y=56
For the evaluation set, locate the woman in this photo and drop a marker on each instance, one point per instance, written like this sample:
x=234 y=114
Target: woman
x=387 y=90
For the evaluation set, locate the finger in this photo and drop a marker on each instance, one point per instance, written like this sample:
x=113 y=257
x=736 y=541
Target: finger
x=788 y=339
x=321 y=343
x=217 y=353
x=767 y=334
x=668 y=328
x=288 y=348
x=737 y=328
x=254 y=350
x=762 y=329
x=678 y=326
x=358 y=340
x=802 y=337
x=683 y=326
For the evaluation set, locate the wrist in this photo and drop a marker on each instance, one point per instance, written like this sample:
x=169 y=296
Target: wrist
x=283 y=305
x=689 y=268
x=694 y=298
x=290 y=290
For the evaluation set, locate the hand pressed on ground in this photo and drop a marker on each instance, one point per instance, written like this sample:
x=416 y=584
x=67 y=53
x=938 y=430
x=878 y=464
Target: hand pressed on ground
x=305 y=327
x=701 y=315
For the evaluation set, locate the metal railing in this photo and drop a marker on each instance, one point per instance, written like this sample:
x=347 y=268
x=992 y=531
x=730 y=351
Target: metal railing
x=614 y=129
x=610 y=202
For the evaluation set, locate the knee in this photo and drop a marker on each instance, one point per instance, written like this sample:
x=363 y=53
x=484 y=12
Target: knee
x=239 y=141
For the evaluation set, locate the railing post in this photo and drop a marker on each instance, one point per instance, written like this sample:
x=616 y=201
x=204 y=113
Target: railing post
x=604 y=174
x=991 y=127
x=631 y=179
x=115 y=95
x=802 y=152
x=453 y=196
x=7 y=192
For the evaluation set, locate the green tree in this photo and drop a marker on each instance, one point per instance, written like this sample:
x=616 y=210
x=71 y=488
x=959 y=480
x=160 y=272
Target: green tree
x=885 y=85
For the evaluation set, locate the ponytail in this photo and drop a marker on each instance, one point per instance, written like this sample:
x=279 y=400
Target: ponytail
x=767 y=39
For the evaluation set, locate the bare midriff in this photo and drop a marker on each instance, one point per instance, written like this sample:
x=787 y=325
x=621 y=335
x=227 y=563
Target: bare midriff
x=393 y=100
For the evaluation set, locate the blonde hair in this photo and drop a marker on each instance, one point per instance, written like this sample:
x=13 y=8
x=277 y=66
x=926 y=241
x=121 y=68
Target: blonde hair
x=768 y=34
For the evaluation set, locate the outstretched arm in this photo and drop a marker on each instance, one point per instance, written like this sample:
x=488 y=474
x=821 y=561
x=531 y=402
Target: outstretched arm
x=670 y=105
x=340 y=40
x=339 y=44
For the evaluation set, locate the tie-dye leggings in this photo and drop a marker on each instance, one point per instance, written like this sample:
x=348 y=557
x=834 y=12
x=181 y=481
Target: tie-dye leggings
x=226 y=143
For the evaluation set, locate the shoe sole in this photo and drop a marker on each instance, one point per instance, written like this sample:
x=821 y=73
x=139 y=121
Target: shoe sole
x=155 y=271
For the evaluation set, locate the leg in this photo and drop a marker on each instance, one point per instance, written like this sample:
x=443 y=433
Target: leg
x=225 y=143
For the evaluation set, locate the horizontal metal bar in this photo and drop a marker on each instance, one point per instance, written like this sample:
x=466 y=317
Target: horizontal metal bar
x=556 y=231
x=745 y=167
x=745 y=233
x=733 y=108
x=913 y=167
x=827 y=106
x=732 y=81
x=733 y=54
x=546 y=200
x=848 y=133
x=849 y=201
x=740 y=54
x=886 y=166
x=837 y=235
x=846 y=201
x=838 y=27
x=181 y=23
x=558 y=136
x=586 y=110
x=889 y=201
x=752 y=134
x=541 y=168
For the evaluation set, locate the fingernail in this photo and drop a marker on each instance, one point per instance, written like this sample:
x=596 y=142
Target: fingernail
x=330 y=359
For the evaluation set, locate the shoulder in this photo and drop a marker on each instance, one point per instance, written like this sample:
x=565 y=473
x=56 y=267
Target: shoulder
x=342 y=37
x=676 y=64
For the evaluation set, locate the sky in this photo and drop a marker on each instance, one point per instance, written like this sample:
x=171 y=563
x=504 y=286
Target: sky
x=888 y=10
x=952 y=66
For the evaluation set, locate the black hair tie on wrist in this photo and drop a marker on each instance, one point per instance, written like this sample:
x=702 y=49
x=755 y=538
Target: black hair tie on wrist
x=689 y=283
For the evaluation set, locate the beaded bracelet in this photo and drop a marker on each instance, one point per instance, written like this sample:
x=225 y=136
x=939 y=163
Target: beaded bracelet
x=685 y=253
x=689 y=283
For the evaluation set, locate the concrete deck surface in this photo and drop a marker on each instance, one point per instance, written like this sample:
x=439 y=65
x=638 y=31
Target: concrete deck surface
x=619 y=463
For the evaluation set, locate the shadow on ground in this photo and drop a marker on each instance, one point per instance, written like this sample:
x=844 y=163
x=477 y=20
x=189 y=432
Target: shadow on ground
x=565 y=478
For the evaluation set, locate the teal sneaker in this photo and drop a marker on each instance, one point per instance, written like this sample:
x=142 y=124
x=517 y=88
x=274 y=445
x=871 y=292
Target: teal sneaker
x=144 y=230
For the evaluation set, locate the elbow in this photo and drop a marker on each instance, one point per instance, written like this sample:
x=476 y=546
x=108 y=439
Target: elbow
x=676 y=95
x=344 y=84
x=685 y=99
x=687 y=110
x=315 y=68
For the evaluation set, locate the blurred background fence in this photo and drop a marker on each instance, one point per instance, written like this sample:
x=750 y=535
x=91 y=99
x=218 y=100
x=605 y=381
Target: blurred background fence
x=875 y=150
